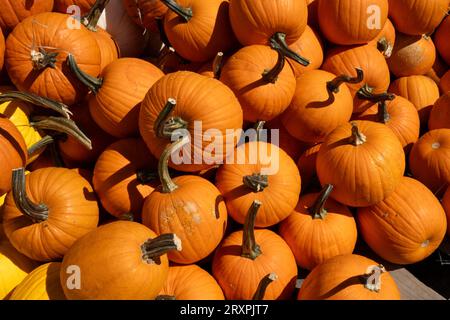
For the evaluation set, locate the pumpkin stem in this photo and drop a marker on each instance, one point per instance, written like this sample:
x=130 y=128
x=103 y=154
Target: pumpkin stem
x=257 y=182
x=153 y=249
x=90 y=20
x=165 y=297
x=271 y=76
x=217 y=65
x=383 y=114
x=45 y=141
x=259 y=127
x=42 y=59
x=94 y=84
x=263 y=284
x=167 y=183
x=334 y=85
x=38 y=101
x=162 y=32
x=145 y=176
x=250 y=249
x=185 y=13
x=385 y=47
x=37 y=212
x=164 y=56
x=164 y=126
x=61 y=125
x=366 y=93
x=357 y=138
x=318 y=210
x=372 y=278
x=56 y=156
x=278 y=41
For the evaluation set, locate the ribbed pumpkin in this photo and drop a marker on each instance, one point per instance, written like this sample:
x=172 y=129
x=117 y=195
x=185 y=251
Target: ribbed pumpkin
x=63 y=5
x=446 y=205
x=42 y=283
x=400 y=115
x=260 y=171
x=417 y=17
x=318 y=229
x=145 y=12
x=428 y=160
x=412 y=55
x=13 y=152
x=36 y=52
x=349 y=277
x=356 y=155
x=420 y=90
x=385 y=40
x=247 y=256
x=117 y=94
x=440 y=114
x=14 y=266
x=348 y=22
x=445 y=82
x=124 y=175
x=121 y=260
x=261 y=80
x=307 y=165
x=47 y=211
x=321 y=103
x=2 y=50
x=14 y=11
x=188 y=99
x=406 y=227
x=190 y=283
x=345 y=60
x=441 y=39
x=198 y=29
x=189 y=206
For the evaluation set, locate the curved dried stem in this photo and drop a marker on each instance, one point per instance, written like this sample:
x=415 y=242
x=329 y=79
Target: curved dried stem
x=153 y=249
x=250 y=249
x=263 y=285
x=94 y=84
x=278 y=41
x=184 y=13
x=90 y=20
x=334 y=85
x=318 y=210
x=168 y=185
x=164 y=126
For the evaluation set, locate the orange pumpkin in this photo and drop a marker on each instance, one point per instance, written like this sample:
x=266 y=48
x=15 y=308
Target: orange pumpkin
x=260 y=79
x=63 y=5
x=349 y=277
x=51 y=208
x=348 y=22
x=446 y=205
x=428 y=160
x=318 y=229
x=247 y=256
x=190 y=283
x=440 y=114
x=307 y=165
x=198 y=218
x=356 y=155
x=441 y=40
x=118 y=253
x=14 y=11
x=124 y=175
x=145 y=12
x=412 y=55
x=444 y=84
x=2 y=50
x=260 y=171
x=385 y=40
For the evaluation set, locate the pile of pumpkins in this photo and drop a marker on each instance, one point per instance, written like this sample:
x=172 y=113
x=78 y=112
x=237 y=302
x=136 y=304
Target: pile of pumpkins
x=356 y=95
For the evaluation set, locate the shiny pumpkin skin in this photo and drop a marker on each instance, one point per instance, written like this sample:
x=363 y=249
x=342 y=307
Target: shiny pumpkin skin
x=73 y=212
x=378 y=164
x=14 y=11
x=339 y=279
x=440 y=113
x=42 y=283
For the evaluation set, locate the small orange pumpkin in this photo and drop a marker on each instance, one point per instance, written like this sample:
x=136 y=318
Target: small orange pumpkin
x=441 y=39
x=385 y=40
x=14 y=11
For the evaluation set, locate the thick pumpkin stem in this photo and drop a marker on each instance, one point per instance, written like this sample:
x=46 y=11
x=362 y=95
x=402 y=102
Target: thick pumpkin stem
x=90 y=20
x=61 y=125
x=271 y=76
x=38 y=101
x=257 y=182
x=366 y=93
x=45 y=141
x=165 y=297
x=263 y=284
x=167 y=183
x=217 y=65
x=334 y=85
x=278 y=41
x=36 y=212
x=164 y=126
x=372 y=278
x=250 y=249
x=42 y=59
x=259 y=127
x=185 y=13
x=383 y=114
x=94 y=84
x=145 y=176
x=153 y=249
x=162 y=32
x=357 y=138
x=318 y=210
x=385 y=47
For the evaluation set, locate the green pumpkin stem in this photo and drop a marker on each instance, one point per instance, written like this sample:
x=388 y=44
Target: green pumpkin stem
x=278 y=41
x=165 y=297
x=372 y=279
x=61 y=125
x=36 y=212
x=153 y=249
x=271 y=76
x=334 y=85
x=165 y=126
x=366 y=93
x=383 y=114
x=250 y=249
x=168 y=185
x=257 y=182
x=90 y=20
x=45 y=141
x=38 y=101
x=217 y=65
x=93 y=84
x=145 y=176
x=357 y=138
x=263 y=285
x=259 y=127
x=385 y=47
x=318 y=210
x=184 y=13
x=43 y=59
